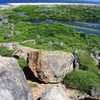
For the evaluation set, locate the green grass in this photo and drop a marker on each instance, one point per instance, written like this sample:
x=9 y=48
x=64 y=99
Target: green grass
x=52 y=32
x=95 y=30
x=64 y=13
x=5 y=52
x=86 y=61
x=82 y=80
x=8 y=53
x=6 y=11
x=22 y=63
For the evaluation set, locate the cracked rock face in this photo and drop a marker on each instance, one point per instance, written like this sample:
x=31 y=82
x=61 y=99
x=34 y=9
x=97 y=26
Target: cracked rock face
x=13 y=85
x=50 y=66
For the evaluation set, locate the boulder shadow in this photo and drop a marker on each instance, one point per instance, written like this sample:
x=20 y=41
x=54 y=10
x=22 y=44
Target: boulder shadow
x=88 y=99
x=29 y=75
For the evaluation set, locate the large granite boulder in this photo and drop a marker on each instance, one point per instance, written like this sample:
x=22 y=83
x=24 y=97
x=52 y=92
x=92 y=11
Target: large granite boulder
x=50 y=66
x=56 y=92
x=13 y=85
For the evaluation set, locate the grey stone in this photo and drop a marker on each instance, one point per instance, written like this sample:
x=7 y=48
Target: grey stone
x=50 y=66
x=95 y=92
x=7 y=36
x=56 y=92
x=96 y=56
x=75 y=63
x=13 y=85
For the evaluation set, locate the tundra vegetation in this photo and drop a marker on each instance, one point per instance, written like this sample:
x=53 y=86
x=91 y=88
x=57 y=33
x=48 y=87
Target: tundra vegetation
x=55 y=36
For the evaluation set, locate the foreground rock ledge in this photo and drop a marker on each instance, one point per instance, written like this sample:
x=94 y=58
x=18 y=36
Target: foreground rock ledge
x=13 y=85
x=50 y=66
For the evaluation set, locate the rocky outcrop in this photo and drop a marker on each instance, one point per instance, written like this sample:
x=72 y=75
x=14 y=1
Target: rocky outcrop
x=56 y=92
x=96 y=56
x=13 y=85
x=50 y=66
x=95 y=92
x=75 y=63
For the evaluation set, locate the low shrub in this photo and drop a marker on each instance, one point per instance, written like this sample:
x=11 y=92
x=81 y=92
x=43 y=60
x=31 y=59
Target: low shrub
x=86 y=61
x=82 y=80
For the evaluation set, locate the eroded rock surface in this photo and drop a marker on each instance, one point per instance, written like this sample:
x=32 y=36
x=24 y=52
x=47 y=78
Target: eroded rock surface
x=13 y=85
x=50 y=66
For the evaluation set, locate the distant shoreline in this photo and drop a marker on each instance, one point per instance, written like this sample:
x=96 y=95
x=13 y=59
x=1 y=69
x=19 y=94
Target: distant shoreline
x=8 y=5
x=51 y=4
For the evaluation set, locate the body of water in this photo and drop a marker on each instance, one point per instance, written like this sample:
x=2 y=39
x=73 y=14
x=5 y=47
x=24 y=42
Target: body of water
x=50 y=1
x=90 y=28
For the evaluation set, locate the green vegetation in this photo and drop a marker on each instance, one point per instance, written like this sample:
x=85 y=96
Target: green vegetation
x=88 y=75
x=51 y=37
x=82 y=80
x=32 y=84
x=22 y=62
x=5 y=52
x=65 y=13
x=8 y=53
x=6 y=11
x=84 y=28
x=86 y=61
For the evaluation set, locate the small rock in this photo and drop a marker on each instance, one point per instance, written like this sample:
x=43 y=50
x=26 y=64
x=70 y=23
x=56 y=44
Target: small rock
x=56 y=92
x=95 y=92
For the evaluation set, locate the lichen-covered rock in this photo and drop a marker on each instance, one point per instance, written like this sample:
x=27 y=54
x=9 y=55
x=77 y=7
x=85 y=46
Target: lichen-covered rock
x=56 y=92
x=13 y=85
x=50 y=66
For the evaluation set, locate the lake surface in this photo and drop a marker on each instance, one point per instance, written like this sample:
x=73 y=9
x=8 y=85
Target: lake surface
x=49 y=1
x=90 y=28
